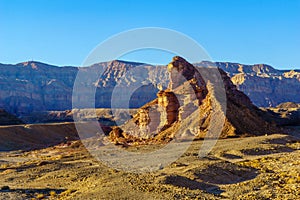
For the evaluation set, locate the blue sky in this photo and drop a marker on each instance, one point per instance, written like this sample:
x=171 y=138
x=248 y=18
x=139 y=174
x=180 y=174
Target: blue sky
x=63 y=32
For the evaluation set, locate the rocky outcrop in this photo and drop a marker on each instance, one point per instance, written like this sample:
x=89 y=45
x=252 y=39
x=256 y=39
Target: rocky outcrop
x=292 y=74
x=288 y=105
x=167 y=100
x=285 y=114
x=190 y=100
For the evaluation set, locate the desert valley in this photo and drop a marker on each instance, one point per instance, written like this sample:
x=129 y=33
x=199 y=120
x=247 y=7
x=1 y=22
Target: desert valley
x=149 y=100
x=256 y=155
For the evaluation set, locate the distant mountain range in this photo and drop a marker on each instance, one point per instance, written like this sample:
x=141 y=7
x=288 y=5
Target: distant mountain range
x=34 y=86
x=266 y=86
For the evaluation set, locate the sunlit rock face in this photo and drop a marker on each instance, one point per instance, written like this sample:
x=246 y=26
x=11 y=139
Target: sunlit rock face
x=177 y=101
x=181 y=71
x=168 y=101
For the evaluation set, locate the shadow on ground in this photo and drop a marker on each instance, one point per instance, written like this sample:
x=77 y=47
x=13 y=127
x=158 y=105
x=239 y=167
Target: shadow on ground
x=181 y=181
x=283 y=141
x=31 y=192
x=224 y=173
x=231 y=156
x=259 y=151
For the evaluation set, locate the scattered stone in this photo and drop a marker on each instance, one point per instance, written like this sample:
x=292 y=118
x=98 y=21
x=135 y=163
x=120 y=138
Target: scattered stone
x=41 y=163
x=5 y=187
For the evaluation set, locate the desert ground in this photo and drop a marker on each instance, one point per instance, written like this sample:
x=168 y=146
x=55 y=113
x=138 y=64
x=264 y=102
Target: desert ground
x=263 y=167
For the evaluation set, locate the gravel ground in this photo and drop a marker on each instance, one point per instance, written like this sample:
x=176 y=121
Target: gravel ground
x=266 y=167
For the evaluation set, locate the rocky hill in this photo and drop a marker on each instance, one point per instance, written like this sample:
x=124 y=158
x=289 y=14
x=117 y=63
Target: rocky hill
x=33 y=86
x=28 y=137
x=190 y=100
x=264 y=85
x=285 y=114
x=8 y=119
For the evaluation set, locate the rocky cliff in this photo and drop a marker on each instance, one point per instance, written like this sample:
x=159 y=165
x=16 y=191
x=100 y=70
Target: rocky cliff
x=33 y=86
x=188 y=107
x=264 y=85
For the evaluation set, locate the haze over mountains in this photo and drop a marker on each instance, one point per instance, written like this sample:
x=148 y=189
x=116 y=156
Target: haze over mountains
x=33 y=86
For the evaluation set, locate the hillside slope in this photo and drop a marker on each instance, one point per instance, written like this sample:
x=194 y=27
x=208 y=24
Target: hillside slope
x=8 y=119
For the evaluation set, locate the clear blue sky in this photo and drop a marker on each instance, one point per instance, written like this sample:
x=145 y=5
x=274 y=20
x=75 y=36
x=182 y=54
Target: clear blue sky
x=63 y=32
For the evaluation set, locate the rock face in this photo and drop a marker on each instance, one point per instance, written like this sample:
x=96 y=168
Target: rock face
x=33 y=86
x=170 y=106
x=189 y=100
x=266 y=86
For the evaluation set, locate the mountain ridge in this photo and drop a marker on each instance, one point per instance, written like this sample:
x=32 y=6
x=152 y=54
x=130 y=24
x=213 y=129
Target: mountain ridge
x=35 y=86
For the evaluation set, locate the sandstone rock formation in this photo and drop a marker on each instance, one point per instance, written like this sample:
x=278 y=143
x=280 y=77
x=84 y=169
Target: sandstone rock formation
x=189 y=99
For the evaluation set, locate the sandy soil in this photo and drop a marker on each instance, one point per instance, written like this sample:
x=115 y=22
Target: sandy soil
x=265 y=167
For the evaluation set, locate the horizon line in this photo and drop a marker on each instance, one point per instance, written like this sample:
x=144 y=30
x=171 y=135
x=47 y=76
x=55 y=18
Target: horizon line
x=144 y=63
